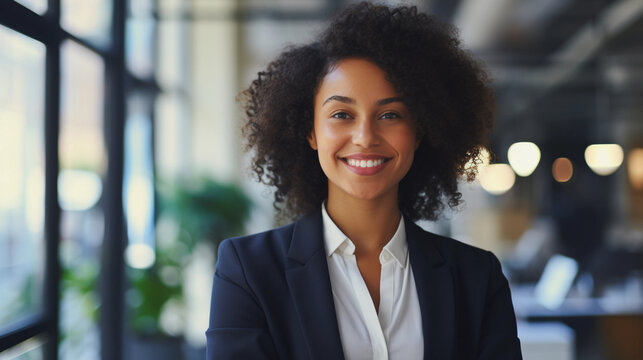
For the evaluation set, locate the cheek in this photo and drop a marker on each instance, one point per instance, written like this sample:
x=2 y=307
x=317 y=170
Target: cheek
x=329 y=139
x=404 y=141
x=325 y=146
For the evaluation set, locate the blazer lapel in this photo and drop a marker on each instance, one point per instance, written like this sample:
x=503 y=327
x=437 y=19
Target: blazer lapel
x=434 y=284
x=310 y=287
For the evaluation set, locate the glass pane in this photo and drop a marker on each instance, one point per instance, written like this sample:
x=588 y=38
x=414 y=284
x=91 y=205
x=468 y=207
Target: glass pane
x=172 y=7
x=141 y=8
x=138 y=183
x=22 y=179
x=171 y=69
x=88 y=19
x=80 y=184
x=171 y=136
x=139 y=42
x=38 y=6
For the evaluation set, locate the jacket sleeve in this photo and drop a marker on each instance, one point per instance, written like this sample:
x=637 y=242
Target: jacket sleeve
x=499 y=339
x=238 y=328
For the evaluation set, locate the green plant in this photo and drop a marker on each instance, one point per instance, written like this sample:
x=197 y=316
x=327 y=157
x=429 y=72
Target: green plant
x=206 y=210
x=199 y=211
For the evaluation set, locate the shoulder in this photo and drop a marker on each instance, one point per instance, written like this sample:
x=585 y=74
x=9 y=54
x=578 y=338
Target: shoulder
x=259 y=263
x=456 y=251
x=259 y=247
x=463 y=258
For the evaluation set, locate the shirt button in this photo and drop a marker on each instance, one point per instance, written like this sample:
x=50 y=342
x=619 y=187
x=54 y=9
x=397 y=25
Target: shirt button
x=385 y=257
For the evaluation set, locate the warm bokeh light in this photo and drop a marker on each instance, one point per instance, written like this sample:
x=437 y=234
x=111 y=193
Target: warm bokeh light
x=635 y=168
x=604 y=159
x=523 y=157
x=562 y=169
x=484 y=157
x=497 y=179
x=139 y=256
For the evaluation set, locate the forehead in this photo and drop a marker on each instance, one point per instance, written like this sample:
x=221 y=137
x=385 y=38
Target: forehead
x=357 y=78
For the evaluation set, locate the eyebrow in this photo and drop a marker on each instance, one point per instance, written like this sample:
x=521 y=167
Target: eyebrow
x=389 y=100
x=347 y=100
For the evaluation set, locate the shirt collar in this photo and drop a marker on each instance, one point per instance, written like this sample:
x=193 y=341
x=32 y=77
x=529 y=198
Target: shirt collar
x=336 y=241
x=334 y=238
x=397 y=246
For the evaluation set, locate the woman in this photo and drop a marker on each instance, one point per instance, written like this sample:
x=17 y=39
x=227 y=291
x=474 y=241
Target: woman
x=363 y=132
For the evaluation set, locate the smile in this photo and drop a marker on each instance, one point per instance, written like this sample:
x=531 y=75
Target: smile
x=365 y=165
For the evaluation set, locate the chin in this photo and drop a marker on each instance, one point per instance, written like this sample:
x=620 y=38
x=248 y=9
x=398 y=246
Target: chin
x=363 y=194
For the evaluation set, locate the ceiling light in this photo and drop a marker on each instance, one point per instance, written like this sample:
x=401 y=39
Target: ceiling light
x=604 y=159
x=562 y=169
x=497 y=179
x=635 y=168
x=523 y=157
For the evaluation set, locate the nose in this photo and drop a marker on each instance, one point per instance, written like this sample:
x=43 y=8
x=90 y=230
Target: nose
x=365 y=134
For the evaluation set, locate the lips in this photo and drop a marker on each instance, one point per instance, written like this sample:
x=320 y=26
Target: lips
x=365 y=164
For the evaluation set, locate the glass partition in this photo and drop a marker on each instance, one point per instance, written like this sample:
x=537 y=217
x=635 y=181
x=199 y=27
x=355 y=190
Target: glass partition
x=80 y=187
x=22 y=183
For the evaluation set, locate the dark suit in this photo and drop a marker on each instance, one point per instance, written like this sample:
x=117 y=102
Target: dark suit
x=272 y=298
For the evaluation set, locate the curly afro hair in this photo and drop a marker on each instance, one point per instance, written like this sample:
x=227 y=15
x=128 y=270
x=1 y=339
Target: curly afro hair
x=445 y=89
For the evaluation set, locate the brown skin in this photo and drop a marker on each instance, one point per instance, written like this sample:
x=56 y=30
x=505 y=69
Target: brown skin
x=447 y=91
x=369 y=229
x=358 y=113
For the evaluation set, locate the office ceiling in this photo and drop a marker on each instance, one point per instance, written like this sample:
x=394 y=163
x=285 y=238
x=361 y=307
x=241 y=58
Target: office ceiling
x=554 y=62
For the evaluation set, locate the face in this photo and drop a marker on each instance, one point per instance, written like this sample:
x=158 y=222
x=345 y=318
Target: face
x=363 y=132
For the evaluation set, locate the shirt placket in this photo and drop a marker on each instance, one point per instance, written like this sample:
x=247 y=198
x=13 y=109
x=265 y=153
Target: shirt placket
x=387 y=290
x=369 y=313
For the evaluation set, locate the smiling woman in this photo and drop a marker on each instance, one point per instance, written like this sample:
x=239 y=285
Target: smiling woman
x=361 y=133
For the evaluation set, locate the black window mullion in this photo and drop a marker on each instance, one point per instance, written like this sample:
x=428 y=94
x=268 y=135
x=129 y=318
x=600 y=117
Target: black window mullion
x=22 y=330
x=112 y=260
x=53 y=11
x=46 y=30
x=52 y=208
x=21 y=19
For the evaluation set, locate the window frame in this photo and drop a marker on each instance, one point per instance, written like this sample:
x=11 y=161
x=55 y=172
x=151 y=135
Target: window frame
x=47 y=29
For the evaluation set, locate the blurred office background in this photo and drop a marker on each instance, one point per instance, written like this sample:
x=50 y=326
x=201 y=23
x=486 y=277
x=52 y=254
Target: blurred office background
x=121 y=167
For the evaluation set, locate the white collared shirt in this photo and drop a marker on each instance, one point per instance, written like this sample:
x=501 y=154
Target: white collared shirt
x=395 y=332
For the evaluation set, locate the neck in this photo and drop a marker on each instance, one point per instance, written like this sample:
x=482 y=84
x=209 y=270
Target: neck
x=370 y=224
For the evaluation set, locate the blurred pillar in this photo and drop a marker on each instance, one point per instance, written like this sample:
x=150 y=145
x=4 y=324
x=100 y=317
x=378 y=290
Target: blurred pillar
x=213 y=87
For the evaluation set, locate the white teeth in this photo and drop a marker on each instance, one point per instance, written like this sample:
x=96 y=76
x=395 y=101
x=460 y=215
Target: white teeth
x=365 y=163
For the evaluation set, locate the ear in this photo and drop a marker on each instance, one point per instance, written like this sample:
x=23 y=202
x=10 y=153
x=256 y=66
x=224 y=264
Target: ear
x=312 y=140
x=418 y=140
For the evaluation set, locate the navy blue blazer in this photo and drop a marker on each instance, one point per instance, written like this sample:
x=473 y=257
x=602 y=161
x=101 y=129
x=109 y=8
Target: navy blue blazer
x=272 y=298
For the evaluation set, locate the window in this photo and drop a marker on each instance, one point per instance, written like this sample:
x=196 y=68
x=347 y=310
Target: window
x=83 y=162
x=22 y=182
x=66 y=68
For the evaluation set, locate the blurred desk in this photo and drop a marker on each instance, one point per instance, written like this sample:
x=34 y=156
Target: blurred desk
x=606 y=327
x=614 y=303
x=551 y=341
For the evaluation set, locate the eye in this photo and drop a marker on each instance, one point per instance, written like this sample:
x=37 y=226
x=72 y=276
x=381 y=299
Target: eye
x=341 y=115
x=390 y=115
